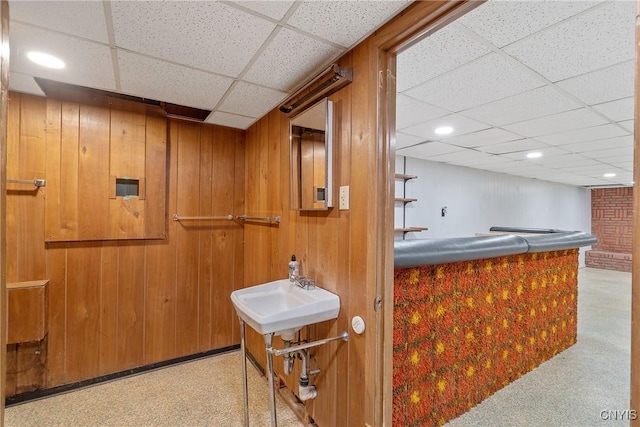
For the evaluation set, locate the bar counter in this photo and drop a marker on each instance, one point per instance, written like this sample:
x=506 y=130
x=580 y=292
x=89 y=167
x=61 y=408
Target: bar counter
x=473 y=314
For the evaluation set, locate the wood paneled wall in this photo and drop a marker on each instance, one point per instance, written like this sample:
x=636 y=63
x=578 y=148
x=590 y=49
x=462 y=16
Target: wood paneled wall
x=348 y=252
x=115 y=305
x=4 y=103
x=333 y=246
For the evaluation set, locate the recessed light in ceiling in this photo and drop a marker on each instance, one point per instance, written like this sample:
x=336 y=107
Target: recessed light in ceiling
x=534 y=155
x=443 y=130
x=609 y=175
x=46 y=60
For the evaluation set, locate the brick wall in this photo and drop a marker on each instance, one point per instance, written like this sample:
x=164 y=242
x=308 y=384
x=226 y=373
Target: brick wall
x=611 y=223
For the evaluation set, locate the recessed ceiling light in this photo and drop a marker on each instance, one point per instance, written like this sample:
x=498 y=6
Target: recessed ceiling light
x=609 y=175
x=46 y=60
x=443 y=130
x=534 y=155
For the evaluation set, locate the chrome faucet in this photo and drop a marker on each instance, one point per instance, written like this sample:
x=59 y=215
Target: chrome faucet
x=304 y=282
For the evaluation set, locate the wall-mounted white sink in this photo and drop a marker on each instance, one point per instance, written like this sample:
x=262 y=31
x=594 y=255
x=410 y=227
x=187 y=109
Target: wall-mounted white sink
x=282 y=308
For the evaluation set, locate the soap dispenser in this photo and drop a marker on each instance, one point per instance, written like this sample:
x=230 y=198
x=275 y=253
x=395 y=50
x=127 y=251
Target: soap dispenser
x=294 y=269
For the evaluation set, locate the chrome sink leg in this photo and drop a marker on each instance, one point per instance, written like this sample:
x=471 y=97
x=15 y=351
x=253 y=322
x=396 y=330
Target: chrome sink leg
x=268 y=338
x=245 y=389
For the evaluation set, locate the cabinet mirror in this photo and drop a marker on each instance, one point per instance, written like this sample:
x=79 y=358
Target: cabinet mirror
x=311 y=158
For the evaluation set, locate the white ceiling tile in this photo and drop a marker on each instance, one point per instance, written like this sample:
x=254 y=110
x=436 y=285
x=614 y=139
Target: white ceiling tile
x=460 y=156
x=628 y=125
x=410 y=111
x=482 y=138
x=619 y=110
x=488 y=162
x=598 y=168
x=568 y=159
x=523 y=106
x=600 y=144
x=513 y=146
x=503 y=22
x=558 y=176
x=273 y=9
x=516 y=166
x=343 y=22
x=484 y=80
x=555 y=174
x=208 y=35
x=442 y=51
x=568 y=181
x=406 y=140
x=169 y=82
x=603 y=155
x=582 y=135
x=428 y=150
x=87 y=63
x=599 y=38
x=523 y=169
x=620 y=174
x=24 y=83
x=289 y=59
x=548 y=154
x=616 y=159
x=79 y=18
x=540 y=173
x=250 y=100
x=623 y=175
x=230 y=120
x=555 y=123
x=460 y=125
x=586 y=181
x=603 y=85
x=628 y=166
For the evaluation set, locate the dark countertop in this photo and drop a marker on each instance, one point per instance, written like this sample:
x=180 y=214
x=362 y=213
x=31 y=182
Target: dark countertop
x=413 y=253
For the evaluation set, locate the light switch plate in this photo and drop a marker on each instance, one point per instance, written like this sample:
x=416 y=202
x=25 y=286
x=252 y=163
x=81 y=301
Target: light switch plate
x=344 y=197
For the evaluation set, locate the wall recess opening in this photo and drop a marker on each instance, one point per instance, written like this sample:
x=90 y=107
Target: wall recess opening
x=126 y=187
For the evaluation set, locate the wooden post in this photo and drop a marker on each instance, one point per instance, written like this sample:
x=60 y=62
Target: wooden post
x=4 y=104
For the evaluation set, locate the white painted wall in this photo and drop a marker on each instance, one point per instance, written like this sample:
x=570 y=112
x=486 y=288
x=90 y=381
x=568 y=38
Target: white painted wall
x=477 y=200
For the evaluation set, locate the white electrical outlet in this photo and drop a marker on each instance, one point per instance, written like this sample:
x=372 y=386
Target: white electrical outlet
x=344 y=197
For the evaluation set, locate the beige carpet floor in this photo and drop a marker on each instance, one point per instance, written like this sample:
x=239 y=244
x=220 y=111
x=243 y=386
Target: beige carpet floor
x=205 y=392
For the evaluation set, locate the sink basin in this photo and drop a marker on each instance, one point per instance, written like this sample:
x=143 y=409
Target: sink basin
x=282 y=308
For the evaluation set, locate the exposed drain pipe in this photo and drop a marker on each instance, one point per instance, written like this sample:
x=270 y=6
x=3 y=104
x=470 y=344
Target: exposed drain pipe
x=289 y=358
x=305 y=391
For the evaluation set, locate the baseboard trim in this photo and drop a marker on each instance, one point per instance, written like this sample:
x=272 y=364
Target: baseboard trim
x=255 y=363
x=48 y=392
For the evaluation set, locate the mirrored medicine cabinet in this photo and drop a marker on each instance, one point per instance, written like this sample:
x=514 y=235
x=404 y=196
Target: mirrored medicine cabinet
x=311 y=134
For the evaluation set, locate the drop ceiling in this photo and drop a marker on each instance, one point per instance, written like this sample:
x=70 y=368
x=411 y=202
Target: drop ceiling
x=509 y=77
x=512 y=77
x=237 y=59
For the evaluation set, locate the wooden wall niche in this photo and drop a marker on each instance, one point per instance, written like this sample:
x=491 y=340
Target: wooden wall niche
x=83 y=162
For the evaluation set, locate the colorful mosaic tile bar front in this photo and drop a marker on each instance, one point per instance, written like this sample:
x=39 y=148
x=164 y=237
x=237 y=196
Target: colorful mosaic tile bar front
x=464 y=330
